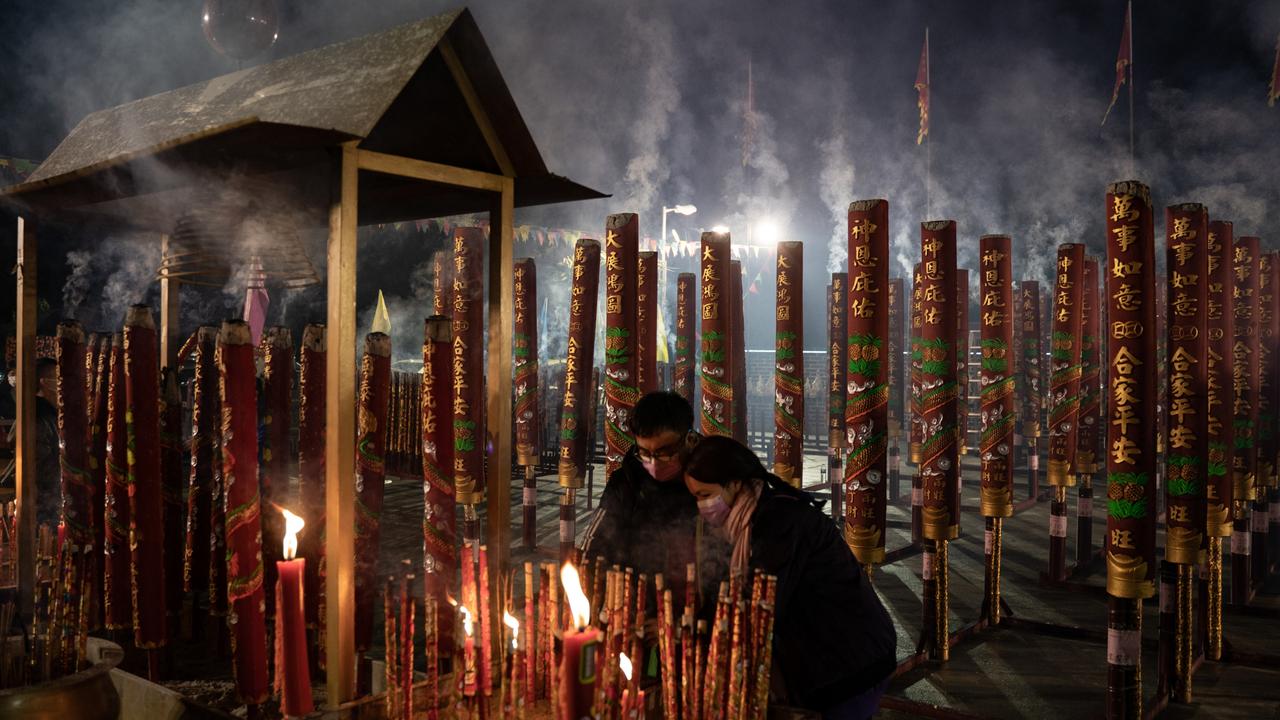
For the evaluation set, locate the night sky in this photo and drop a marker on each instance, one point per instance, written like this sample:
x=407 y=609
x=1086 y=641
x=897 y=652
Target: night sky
x=645 y=100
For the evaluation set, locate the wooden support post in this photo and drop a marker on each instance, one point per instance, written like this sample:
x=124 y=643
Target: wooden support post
x=170 y=291
x=500 y=321
x=26 y=420
x=340 y=431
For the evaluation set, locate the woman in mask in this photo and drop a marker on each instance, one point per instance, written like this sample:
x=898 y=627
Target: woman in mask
x=834 y=644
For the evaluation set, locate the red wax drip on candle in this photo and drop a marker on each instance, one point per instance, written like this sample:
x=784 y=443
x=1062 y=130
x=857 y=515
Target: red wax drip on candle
x=293 y=678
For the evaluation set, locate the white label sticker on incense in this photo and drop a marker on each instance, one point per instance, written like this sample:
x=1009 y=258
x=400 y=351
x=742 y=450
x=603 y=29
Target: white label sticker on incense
x=530 y=496
x=928 y=564
x=1260 y=520
x=988 y=541
x=1274 y=512
x=1166 y=597
x=1034 y=461
x=1017 y=439
x=1084 y=508
x=1058 y=526
x=566 y=531
x=1123 y=646
x=1240 y=542
x=917 y=497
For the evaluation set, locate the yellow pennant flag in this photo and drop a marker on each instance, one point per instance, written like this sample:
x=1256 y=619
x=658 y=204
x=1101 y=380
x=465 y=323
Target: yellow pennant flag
x=381 y=318
x=662 y=355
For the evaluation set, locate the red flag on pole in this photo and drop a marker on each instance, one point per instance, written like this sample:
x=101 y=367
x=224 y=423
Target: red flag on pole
x=1274 y=92
x=1124 y=60
x=922 y=87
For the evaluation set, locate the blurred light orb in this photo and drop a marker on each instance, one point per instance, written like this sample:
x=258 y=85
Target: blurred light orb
x=240 y=29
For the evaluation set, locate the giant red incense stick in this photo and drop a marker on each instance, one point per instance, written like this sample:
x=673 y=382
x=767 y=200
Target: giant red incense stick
x=837 y=347
x=171 y=478
x=1265 y=481
x=683 y=378
x=998 y=412
x=311 y=427
x=737 y=342
x=1188 y=266
x=575 y=420
x=371 y=437
x=939 y=452
x=98 y=474
x=999 y=402
x=788 y=371
x=1090 y=406
x=620 y=363
x=1247 y=402
x=204 y=431
x=1031 y=374
x=277 y=465
x=242 y=501
x=1064 y=396
x=962 y=362
x=647 y=378
x=897 y=383
x=117 y=596
x=146 y=519
x=1220 y=318
x=1131 y=436
x=716 y=411
x=1187 y=440
x=439 y=516
x=468 y=369
x=867 y=396
x=73 y=438
x=525 y=349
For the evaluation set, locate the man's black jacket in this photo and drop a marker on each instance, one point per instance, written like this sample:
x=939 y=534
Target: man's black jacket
x=652 y=527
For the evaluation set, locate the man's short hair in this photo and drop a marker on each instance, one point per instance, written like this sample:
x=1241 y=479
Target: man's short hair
x=46 y=368
x=661 y=411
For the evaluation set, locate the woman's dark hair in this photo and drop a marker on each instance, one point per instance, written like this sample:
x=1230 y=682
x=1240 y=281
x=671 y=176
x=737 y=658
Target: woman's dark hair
x=719 y=460
x=660 y=411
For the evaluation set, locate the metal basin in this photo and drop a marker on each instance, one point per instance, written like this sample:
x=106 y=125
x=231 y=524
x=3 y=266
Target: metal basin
x=86 y=695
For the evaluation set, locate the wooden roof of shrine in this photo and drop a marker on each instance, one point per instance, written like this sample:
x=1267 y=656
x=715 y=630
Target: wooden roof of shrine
x=429 y=90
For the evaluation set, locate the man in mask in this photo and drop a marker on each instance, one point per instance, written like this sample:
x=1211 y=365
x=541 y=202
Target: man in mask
x=647 y=520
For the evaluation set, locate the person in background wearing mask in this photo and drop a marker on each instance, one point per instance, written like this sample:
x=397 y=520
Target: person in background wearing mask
x=834 y=645
x=647 y=520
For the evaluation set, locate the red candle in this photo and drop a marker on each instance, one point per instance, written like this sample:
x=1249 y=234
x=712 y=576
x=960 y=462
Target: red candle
x=293 y=678
x=581 y=645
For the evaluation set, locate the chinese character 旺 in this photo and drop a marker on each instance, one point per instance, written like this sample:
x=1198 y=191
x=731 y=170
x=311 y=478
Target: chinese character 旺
x=1122 y=539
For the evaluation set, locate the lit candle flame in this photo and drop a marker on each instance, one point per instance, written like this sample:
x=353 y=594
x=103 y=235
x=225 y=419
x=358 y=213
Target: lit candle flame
x=579 y=605
x=292 y=524
x=466 y=619
x=514 y=624
x=624 y=663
